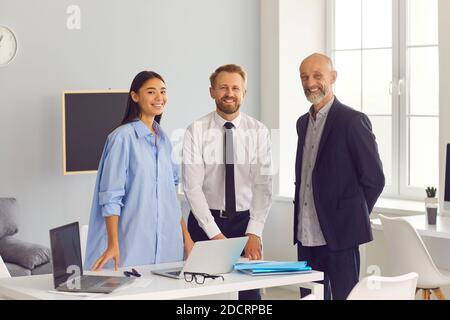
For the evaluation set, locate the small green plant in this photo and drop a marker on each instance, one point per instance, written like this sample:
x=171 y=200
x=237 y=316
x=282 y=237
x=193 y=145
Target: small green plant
x=431 y=192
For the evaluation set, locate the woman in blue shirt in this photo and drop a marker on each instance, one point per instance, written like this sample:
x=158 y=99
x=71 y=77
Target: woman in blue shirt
x=136 y=217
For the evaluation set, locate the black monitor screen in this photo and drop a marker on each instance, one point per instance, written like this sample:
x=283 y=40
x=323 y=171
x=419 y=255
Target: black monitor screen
x=447 y=176
x=66 y=252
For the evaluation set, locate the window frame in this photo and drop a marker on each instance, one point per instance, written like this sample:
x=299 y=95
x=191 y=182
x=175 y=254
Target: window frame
x=399 y=94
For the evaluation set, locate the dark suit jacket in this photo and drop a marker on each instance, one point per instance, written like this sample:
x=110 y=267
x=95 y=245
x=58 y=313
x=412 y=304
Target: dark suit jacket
x=347 y=178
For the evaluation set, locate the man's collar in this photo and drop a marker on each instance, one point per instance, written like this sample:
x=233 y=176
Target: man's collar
x=324 y=111
x=221 y=121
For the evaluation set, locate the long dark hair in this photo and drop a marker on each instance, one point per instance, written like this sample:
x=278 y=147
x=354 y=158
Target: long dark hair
x=133 y=110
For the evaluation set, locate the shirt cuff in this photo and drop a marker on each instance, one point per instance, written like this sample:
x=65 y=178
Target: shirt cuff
x=111 y=209
x=255 y=227
x=211 y=229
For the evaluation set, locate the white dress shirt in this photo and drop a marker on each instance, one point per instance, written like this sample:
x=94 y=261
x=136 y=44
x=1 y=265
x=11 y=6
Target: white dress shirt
x=204 y=170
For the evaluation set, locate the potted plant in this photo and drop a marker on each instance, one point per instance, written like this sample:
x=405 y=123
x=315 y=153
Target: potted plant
x=431 y=204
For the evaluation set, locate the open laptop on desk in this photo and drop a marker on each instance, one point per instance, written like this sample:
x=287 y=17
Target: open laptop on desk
x=212 y=256
x=67 y=265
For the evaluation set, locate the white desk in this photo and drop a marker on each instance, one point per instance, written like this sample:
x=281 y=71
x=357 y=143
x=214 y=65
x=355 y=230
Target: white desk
x=440 y=230
x=153 y=287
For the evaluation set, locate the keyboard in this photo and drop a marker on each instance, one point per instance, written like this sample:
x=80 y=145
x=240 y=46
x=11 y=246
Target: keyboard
x=91 y=281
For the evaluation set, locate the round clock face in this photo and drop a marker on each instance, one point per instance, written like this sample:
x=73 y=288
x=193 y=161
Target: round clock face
x=8 y=45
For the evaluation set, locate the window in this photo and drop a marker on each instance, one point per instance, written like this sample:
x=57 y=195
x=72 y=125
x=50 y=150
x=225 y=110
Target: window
x=387 y=58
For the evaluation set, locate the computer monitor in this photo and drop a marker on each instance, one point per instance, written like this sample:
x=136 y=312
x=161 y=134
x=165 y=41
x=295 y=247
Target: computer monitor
x=447 y=180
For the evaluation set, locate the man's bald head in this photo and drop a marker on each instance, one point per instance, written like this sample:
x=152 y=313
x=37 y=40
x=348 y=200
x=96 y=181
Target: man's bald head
x=318 y=76
x=320 y=59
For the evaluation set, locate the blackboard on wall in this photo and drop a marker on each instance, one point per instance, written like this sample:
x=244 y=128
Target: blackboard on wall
x=88 y=118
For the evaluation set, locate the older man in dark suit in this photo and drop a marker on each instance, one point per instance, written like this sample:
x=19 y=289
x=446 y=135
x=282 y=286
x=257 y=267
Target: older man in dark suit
x=339 y=177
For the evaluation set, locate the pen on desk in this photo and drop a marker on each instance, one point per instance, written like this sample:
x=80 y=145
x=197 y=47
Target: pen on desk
x=137 y=274
x=133 y=272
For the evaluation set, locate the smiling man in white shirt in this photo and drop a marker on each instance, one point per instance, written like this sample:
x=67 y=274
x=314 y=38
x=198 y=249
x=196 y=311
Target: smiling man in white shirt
x=227 y=173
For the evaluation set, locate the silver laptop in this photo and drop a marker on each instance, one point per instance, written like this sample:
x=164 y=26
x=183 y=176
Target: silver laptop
x=67 y=266
x=212 y=256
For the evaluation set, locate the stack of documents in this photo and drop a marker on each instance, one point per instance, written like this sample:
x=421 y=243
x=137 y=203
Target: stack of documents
x=260 y=268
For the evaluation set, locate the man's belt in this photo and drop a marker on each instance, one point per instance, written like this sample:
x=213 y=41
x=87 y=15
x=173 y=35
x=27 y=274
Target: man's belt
x=223 y=215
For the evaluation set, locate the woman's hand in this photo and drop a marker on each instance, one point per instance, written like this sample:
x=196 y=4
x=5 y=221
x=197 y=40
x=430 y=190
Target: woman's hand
x=112 y=252
x=188 y=245
x=187 y=240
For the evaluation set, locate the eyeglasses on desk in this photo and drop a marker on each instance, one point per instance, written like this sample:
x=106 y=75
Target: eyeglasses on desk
x=199 y=277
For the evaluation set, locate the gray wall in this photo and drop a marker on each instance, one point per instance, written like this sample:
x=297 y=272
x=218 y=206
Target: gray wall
x=183 y=40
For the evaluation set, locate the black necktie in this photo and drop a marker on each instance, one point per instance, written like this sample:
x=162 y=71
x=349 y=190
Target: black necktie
x=230 y=195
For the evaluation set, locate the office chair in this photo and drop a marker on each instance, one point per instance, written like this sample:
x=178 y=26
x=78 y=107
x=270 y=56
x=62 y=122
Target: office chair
x=4 y=273
x=309 y=297
x=409 y=254
x=385 y=288
x=382 y=288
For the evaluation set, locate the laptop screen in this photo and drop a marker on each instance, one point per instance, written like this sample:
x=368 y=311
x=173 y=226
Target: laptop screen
x=66 y=252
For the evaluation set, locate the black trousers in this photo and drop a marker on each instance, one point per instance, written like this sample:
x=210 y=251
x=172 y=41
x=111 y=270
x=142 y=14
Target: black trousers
x=340 y=268
x=230 y=229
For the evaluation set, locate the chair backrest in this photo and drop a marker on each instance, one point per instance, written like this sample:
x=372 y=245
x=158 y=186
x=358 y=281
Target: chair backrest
x=309 y=297
x=4 y=273
x=408 y=253
x=385 y=288
x=83 y=239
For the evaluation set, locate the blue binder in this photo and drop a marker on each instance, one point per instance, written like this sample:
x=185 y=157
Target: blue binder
x=273 y=267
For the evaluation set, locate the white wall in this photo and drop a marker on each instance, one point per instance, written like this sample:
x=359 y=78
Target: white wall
x=183 y=40
x=302 y=32
x=291 y=30
x=444 y=127
x=270 y=77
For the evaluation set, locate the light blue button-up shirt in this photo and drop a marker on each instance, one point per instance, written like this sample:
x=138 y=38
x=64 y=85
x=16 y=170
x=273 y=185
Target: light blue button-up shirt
x=137 y=181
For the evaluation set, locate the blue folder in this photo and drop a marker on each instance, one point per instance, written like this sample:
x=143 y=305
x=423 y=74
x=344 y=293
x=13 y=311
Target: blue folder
x=273 y=267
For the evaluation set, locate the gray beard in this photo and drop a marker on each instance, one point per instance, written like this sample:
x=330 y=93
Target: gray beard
x=316 y=99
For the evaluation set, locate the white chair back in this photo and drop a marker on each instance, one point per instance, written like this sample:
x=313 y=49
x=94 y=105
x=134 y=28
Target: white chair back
x=4 y=273
x=309 y=297
x=408 y=253
x=385 y=288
